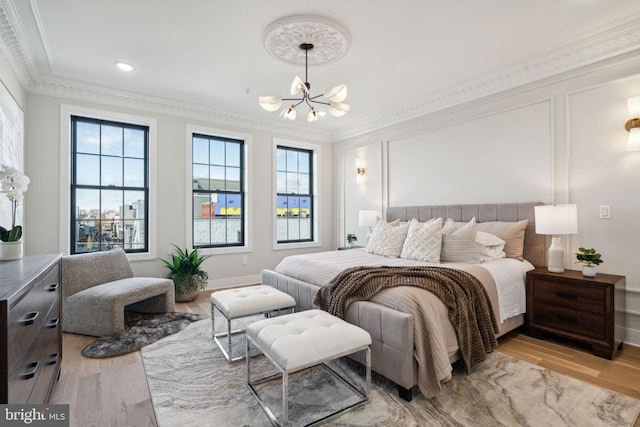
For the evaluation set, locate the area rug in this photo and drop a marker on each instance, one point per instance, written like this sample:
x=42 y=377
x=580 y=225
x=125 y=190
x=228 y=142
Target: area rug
x=191 y=384
x=143 y=329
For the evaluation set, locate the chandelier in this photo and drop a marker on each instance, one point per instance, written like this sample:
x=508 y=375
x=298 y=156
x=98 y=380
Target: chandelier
x=333 y=97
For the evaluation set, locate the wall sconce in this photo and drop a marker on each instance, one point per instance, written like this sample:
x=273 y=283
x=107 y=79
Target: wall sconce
x=359 y=171
x=633 y=124
x=360 y=167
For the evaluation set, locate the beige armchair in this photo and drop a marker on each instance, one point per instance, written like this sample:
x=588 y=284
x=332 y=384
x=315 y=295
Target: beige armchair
x=97 y=287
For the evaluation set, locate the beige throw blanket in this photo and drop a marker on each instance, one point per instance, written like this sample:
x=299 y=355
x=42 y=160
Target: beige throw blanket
x=469 y=308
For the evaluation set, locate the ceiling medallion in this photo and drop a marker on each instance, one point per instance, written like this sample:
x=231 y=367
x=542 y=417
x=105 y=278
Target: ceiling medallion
x=283 y=37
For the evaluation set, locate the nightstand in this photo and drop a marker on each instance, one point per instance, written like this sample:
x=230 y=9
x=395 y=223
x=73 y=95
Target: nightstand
x=344 y=248
x=586 y=309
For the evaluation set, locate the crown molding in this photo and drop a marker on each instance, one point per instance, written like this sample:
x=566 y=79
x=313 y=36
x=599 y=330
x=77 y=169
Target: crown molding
x=14 y=45
x=599 y=47
x=602 y=46
x=112 y=97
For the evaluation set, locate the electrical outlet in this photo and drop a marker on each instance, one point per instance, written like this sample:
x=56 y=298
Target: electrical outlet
x=605 y=212
x=245 y=261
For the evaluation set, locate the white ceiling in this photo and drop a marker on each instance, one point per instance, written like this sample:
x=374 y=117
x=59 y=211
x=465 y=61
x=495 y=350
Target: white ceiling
x=210 y=52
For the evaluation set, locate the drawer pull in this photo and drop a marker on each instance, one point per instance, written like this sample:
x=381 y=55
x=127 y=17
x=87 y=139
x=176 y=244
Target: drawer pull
x=52 y=287
x=53 y=358
x=566 y=295
x=53 y=323
x=30 y=318
x=567 y=319
x=32 y=372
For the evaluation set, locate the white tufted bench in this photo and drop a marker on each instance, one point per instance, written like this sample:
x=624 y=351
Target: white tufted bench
x=243 y=302
x=297 y=341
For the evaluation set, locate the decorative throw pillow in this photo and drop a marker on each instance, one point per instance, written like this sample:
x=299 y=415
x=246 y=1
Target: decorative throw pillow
x=424 y=241
x=450 y=225
x=490 y=246
x=511 y=232
x=387 y=239
x=459 y=245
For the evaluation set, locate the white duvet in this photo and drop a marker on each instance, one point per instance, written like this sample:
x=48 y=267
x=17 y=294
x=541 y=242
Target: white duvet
x=319 y=268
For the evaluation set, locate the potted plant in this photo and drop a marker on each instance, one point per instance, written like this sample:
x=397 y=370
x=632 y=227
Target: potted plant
x=351 y=239
x=12 y=183
x=590 y=259
x=184 y=269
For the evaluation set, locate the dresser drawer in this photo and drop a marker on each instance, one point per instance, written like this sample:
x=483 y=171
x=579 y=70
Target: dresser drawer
x=28 y=316
x=31 y=376
x=24 y=376
x=591 y=299
x=50 y=359
x=31 y=344
x=565 y=319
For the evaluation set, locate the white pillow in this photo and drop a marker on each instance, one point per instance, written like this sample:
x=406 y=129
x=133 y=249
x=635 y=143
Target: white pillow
x=424 y=240
x=459 y=245
x=511 y=232
x=490 y=246
x=387 y=239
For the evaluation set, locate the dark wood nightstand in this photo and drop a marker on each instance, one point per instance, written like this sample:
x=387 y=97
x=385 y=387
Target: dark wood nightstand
x=590 y=310
x=344 y=248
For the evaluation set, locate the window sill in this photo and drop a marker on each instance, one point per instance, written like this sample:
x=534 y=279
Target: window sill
x=297 y=245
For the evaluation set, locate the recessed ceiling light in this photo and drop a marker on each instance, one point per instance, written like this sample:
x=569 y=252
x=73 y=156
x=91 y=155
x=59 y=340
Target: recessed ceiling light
x=124 y=66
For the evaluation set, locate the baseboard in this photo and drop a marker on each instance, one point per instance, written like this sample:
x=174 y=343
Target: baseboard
x=234 y=281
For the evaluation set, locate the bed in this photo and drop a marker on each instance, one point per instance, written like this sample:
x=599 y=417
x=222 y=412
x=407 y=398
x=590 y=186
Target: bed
x=404 y=321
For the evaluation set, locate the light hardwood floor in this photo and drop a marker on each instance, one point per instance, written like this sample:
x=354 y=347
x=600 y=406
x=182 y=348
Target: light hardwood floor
x=114 y=391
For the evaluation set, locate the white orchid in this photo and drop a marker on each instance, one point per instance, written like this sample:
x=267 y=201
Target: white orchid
x=14 y=184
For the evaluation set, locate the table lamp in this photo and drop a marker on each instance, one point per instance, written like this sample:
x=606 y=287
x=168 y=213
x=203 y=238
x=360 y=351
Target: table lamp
x=556 y=220
x=367 y=218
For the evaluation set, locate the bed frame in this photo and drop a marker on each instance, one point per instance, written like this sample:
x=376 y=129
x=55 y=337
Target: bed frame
x=392 y=331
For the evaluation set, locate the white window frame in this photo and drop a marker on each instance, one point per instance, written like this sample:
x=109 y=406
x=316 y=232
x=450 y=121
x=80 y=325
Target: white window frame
x=219 y=133
x=66 y=111
x=316 y=149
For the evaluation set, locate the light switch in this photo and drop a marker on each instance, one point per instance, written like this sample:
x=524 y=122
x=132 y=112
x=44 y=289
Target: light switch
x=605 y=212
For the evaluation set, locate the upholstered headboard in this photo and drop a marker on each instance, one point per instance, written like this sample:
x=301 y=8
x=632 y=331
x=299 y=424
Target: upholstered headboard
x=535 y=247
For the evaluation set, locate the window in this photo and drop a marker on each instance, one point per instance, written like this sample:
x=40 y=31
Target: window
x=294 y=206
x=109 y=186
x=218 y=191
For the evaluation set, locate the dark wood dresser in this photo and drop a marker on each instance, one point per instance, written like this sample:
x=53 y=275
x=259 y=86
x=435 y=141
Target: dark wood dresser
x=586 y=309
x=30 y=328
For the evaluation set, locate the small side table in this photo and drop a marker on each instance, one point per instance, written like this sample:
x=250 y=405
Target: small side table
x=344 y=248
x=586 y=309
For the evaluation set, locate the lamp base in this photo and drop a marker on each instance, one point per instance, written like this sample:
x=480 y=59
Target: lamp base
x=555 y=262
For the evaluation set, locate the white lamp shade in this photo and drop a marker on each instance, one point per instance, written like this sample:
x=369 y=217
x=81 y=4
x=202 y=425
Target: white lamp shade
x=297 y=85
x=270 y=103
x=634 y=139
x=367 y=218
x=312 y=116
x=556 y=219
x=338 y=109
x=336 y=93
x=290 y=113
x=634 y=107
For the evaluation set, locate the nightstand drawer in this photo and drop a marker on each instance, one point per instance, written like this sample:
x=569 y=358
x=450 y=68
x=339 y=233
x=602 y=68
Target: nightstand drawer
x=570 y=320
x=583 y=298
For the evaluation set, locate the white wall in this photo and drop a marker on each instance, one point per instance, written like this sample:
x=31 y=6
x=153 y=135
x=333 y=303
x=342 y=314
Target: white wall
x=603 y=172
x=459 y=162
x=42 y=152
x=359 y=189
x=11 y=137
x=558 y=141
